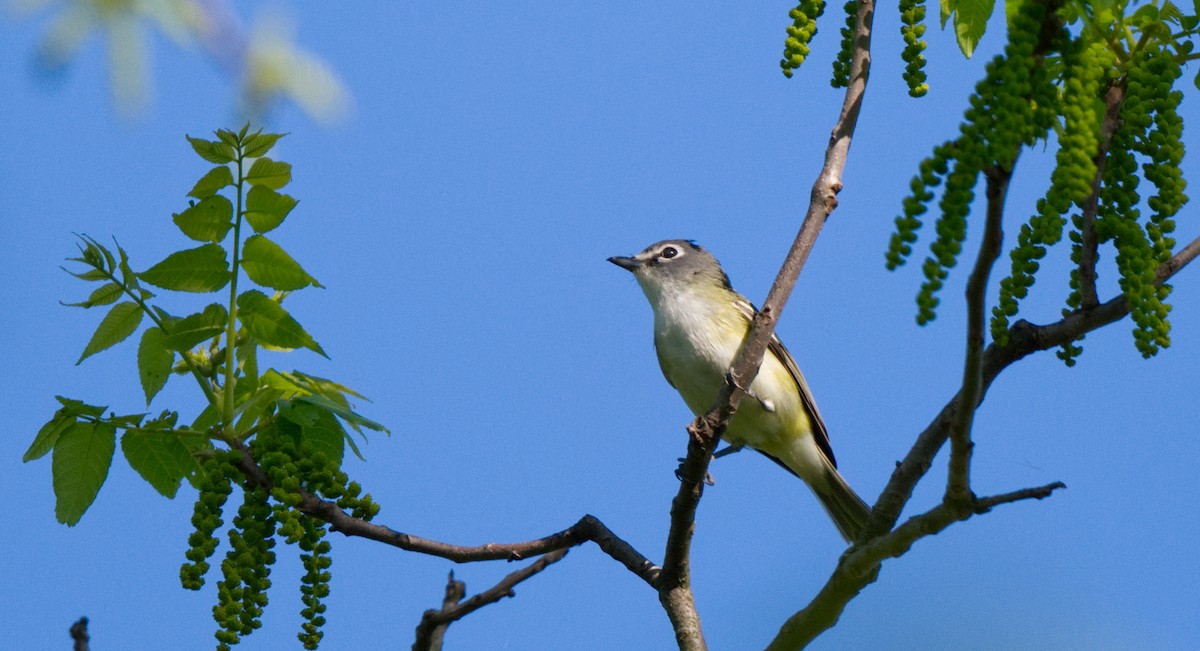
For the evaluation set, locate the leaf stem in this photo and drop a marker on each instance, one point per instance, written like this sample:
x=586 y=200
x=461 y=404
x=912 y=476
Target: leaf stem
x=231 y=327
x=200 y=379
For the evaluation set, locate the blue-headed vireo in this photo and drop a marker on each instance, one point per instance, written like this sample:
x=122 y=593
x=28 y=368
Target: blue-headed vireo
x=699 y=326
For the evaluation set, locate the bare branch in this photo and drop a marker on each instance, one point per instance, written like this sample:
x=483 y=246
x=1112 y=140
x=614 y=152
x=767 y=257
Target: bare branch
x=79 y=634
x=675 y=591
x=431 y=633
x=958 y=484
x=434 y=621
x=588 y=528
x=1089 y=251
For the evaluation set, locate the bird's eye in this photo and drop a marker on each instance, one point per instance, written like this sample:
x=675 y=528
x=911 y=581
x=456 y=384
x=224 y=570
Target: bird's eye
x=669 y=252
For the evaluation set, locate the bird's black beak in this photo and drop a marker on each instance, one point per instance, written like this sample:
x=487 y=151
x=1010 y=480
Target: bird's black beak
x=628 y=264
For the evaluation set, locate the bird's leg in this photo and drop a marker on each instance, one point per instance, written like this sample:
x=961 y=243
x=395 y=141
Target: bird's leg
x=729 y=449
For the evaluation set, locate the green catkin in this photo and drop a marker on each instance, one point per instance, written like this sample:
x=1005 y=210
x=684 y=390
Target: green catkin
x=1006 y=111
x=1070 y=182
x=912 y=29
x=1150 y=126
x=215 y=486
x=800 y=33
x=845 y=56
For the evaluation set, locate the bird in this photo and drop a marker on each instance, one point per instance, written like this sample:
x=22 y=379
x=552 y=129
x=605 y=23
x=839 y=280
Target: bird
x=700 y=323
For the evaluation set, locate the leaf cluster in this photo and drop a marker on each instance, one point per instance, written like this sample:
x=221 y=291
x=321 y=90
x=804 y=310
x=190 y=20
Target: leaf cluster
x=291 y=424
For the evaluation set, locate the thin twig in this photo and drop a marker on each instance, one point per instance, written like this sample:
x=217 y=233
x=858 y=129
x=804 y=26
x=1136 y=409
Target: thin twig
x=452 y=610
x=430 y=633
x=79 y=634
x=1114 y=98
x=958 y=483
x=675 y=592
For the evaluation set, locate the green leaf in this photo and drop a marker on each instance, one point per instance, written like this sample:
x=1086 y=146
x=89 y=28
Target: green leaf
x=342 y=412
x=74 y=408
x=90 y=275
x=319 y=427
x=202 y=269
x=48 y=435
x=127 y=275
x=266 y=209
x=269 y=265
x=228 y=137
x=260 y=143
x=269 y=173
x=160 y=457
x=207 y=221
x=970 y=22
x=216 y=178
x=103 y=295
x=119 y=323
x=948 y=9
x=195 y=328
x=154 y=362
x=213 y=152
x=80 y=465
x=267 y=321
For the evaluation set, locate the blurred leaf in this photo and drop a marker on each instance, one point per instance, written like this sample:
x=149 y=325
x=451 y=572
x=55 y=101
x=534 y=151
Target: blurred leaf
x=268 y=322
x=80 y=465
x=266 y=208
x=269 y=265
x=202 y=269
x=970 y=22
x=269 y=173
x=342 y=412
x=947 y=9
x=154 y=362
x=217 y=178
x=48 y=435
x=102 y=295
x=258 y=144
x=207 y=221
x=119 y=323
x=213 y=152
x=160 y=457
x=228 y=137
x=195 y=328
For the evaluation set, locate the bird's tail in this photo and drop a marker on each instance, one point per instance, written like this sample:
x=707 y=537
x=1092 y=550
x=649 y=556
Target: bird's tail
x=847 y=510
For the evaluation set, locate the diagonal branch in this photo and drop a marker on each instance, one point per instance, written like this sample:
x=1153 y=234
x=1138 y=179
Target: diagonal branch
x=675 y=589
x=434 y=622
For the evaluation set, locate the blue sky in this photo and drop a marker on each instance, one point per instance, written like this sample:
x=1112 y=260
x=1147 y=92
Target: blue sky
x=460 y=217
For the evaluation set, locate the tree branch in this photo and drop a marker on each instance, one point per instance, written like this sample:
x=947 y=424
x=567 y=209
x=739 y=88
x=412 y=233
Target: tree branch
x=675 y=588
x=434 y=622
x=588 y=528
x=1089 y=245
x=430 y=633
x=958 y=484
x=79 y=635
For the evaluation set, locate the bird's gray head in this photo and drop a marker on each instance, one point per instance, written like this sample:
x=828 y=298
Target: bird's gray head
x=674 y=263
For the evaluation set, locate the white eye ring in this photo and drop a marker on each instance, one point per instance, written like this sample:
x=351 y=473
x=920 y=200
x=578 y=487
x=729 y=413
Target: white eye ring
x=668 y=253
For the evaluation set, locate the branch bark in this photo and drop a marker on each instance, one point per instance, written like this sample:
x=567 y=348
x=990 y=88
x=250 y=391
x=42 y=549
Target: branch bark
x=958 y=483
x=860 y=565
x=435 y=622
x=79 y=635
x=675 y=587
